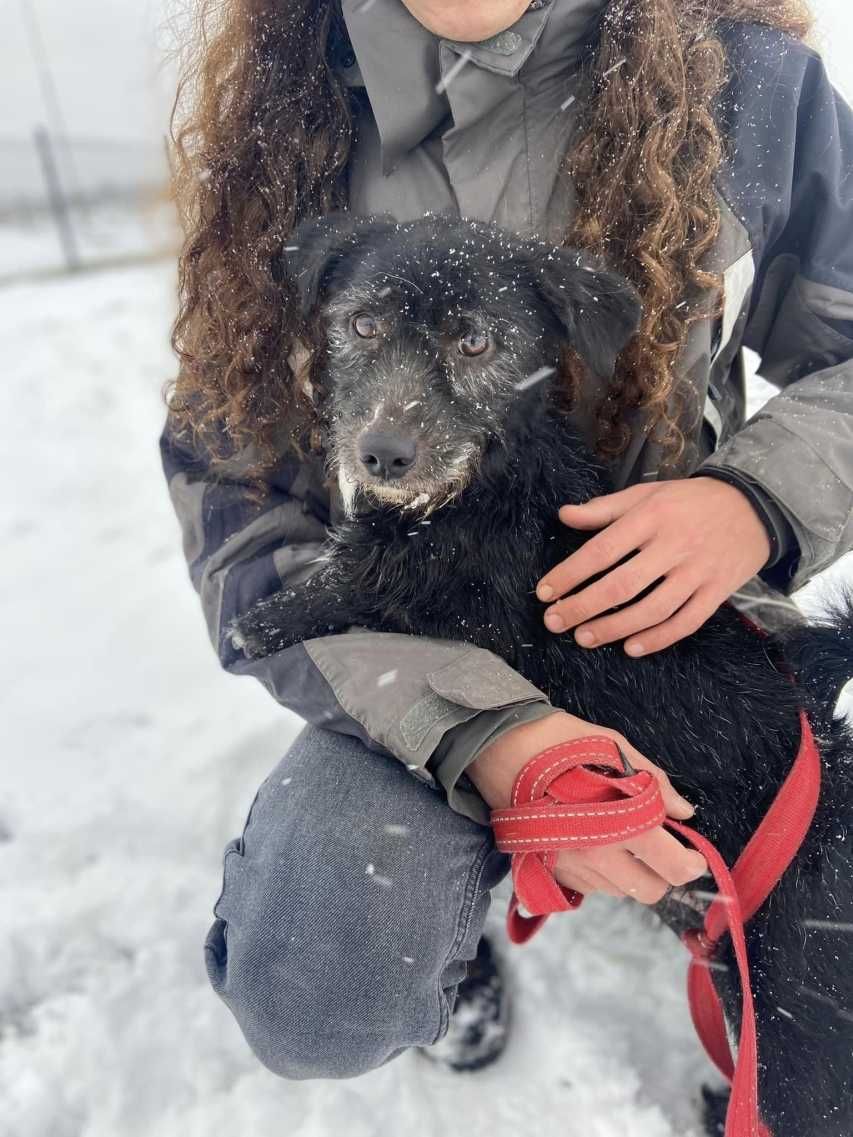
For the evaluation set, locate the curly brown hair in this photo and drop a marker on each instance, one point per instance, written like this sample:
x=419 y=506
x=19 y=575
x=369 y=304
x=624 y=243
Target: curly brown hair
x=262 y=129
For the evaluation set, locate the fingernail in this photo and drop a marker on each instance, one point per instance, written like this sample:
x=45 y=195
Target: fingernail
x=585 y=638
x=554 y=622
x=634 y=649
x=686 y=807
x=544 y=591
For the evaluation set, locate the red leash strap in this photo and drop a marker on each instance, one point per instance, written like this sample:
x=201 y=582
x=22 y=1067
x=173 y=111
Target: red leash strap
x=742 y=1118
x=578 y=795
x=756 y=873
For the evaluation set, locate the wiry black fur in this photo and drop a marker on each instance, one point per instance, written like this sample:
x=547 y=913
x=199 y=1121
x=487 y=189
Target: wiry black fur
x=820 y=653
x=717 y=711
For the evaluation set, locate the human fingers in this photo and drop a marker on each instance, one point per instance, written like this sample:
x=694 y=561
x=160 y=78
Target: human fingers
x=571 y=872
x=598 y=554
x=631 y=876
x=670 y=594
x=617 y=587
x=687 y=620
x=604 y=510
x=675 y=805
x=665 y=855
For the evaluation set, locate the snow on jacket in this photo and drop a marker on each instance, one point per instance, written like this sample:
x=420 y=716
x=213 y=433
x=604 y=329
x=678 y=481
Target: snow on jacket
x=487 y=144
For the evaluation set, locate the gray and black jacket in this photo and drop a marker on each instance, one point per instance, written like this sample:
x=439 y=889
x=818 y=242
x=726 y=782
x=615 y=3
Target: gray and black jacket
x=487 y=145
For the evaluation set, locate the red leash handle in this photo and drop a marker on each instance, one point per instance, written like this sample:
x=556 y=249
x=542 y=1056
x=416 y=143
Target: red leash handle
x=581 y=794
x=567 y=797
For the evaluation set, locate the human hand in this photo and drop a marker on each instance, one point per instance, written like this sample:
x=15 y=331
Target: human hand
x=643 y=868
x=695 y=540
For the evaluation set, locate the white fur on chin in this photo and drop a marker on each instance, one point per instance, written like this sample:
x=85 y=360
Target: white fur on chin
x=412 y=498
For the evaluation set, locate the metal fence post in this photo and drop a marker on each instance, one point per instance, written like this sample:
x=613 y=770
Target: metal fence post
x=57 y=199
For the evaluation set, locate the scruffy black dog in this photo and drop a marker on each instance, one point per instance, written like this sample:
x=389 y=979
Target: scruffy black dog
x=453 y=461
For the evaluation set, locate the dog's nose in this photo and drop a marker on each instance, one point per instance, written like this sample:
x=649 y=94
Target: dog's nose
x=386 y=453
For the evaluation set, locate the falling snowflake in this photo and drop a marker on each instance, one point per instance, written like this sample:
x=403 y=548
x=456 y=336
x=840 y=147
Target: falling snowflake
x=828 y=925
x=396 y=830
x=534 y=378
x=615 y=67
x=445 y=81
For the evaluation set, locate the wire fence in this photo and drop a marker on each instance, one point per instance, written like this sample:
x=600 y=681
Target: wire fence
x=68 y=204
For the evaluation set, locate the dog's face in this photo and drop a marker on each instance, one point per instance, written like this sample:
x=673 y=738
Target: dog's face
x=433 y=331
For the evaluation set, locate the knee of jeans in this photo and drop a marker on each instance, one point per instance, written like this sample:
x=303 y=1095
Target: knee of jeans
x=300 y=1028
x=345 y=905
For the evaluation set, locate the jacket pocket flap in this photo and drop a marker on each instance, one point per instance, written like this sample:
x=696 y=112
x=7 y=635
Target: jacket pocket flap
x=482 y=681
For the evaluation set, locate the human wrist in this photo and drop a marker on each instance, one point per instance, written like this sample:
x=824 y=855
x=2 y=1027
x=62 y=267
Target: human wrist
x=780 y=534
x=496 y=767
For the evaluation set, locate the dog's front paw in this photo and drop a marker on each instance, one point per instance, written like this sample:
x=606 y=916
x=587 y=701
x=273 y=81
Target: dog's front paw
x=244 y=637
x=264 y=629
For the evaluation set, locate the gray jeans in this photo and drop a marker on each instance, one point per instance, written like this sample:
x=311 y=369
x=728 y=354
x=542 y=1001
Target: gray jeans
x=349 y=907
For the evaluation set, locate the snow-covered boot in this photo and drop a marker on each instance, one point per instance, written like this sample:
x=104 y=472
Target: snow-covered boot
x=477 y=1033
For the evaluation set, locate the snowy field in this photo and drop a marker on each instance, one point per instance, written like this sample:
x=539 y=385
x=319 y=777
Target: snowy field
x=128 y=762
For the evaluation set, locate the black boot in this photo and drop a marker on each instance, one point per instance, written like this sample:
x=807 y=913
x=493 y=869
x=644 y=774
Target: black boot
x=477 y=1033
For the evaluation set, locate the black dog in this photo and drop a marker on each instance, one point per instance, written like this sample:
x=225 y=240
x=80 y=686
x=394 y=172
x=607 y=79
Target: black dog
x=453 y=460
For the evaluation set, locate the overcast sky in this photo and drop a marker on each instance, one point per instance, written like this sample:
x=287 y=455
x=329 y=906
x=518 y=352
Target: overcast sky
x=107 y=59
x=106 y=56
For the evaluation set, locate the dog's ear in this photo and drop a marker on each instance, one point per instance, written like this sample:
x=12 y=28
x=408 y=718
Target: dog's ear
x=319 y=246
x=599 y=310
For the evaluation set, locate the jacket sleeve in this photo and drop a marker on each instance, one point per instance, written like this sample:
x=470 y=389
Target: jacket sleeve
x=433 y=704
x=795 y=193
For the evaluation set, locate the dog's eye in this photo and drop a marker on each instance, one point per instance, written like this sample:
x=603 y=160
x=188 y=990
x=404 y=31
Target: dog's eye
x=474 y=343
x=365 y=326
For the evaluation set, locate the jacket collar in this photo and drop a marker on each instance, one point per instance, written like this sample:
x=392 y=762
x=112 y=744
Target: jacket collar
x=408 y=72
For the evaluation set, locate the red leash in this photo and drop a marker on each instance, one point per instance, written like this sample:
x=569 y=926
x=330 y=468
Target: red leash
x=578 y=795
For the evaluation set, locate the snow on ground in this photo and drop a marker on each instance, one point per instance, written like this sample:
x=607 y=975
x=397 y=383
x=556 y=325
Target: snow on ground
x=128 y=761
